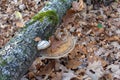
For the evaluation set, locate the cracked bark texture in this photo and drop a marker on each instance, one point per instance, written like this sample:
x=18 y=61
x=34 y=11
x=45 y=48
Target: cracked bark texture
x=19 y=53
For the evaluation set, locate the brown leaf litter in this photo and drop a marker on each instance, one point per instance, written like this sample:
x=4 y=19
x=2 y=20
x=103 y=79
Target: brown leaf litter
x=96 y=55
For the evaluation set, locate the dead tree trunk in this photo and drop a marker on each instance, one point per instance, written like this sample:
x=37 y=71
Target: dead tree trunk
x=18 y=54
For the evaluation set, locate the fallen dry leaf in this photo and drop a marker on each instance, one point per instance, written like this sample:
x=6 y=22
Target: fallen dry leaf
x=30 y=75
x=92 y=58
x=20 y=24
x=46 y=69
x=73 y=64
x=80 y=72
x=68 y=75
x=78 y=52
x=56 y=76
x=78 y=6
x=75 y=78
x=95 y=70
x=113 y=38
x=97 y=31
x=107 y=77
x=9 y=10
x=69 y=17
x=35 y=64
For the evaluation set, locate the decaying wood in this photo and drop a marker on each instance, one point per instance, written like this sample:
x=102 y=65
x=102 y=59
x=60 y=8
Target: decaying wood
x=18 y=54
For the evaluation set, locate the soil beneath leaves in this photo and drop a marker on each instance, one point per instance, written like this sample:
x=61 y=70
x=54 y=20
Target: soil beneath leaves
x=96 y=55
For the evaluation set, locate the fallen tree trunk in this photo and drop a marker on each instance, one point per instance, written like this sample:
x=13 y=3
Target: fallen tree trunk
x=18 y=54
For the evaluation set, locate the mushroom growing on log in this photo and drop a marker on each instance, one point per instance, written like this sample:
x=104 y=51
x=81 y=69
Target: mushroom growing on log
x=18 y=54
x=60 y=46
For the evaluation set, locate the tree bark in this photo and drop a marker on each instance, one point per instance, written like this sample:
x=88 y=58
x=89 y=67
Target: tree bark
x=18 y=54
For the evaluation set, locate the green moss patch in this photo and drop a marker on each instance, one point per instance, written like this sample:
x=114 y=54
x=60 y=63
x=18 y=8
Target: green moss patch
x=50 y=14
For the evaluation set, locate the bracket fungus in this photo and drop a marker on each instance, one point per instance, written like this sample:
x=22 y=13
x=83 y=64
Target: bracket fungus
x=61 y=47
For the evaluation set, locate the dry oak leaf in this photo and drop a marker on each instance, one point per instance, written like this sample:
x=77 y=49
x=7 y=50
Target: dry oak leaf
x=80 y=74
x=47 y=69
x=30 y=75
x=75 y=78
x=73 y=64
x=76 y=52
x=92 y=58
x=35 y=64
x=95 y=70
x=56 y=76
x=83 y=49
x=107 y=76
x=113 y=38
x=69 y=17
x=20 y=24
x=77 y=6
x=9 y=10
x=97 y=31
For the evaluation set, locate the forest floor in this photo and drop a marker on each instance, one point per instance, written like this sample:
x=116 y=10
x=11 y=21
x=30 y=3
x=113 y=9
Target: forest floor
x=96 y=55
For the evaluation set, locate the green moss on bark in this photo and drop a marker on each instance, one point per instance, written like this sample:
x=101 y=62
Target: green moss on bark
x=50 y=14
